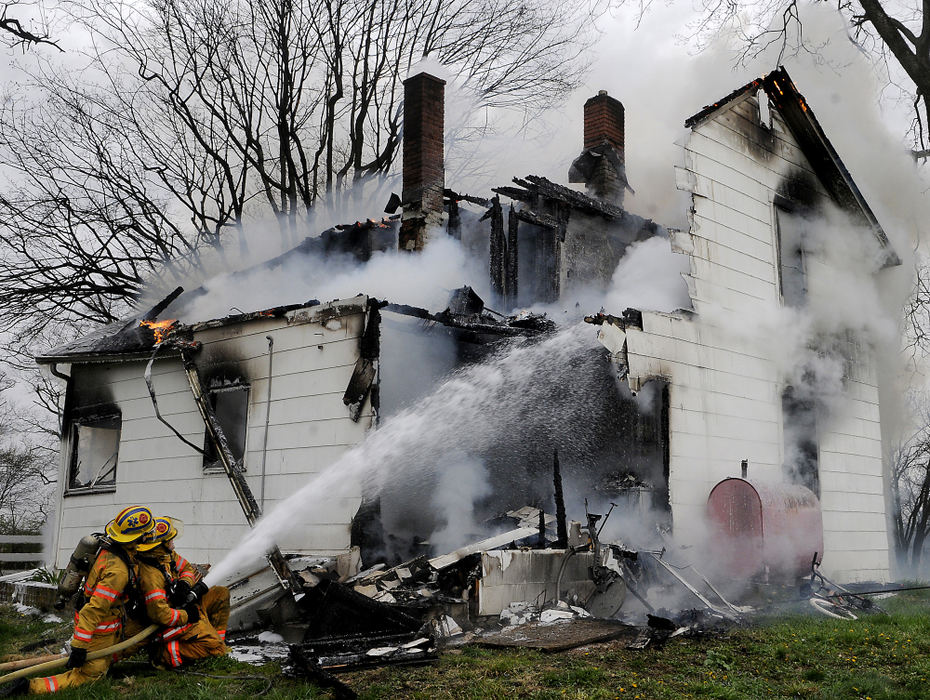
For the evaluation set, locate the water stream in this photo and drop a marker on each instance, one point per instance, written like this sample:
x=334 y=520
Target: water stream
x=528 y=388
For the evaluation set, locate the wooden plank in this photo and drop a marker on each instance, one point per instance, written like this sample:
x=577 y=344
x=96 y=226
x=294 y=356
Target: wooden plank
x=21 y=539
x=784 y=150
x=733 y=281
x=10 y=557
x=490 y=543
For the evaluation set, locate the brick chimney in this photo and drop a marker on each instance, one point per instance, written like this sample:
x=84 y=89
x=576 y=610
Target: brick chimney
x=423 y=166
x=601 y=163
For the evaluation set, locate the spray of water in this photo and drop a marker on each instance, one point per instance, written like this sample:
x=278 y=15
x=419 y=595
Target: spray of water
x=468 y=413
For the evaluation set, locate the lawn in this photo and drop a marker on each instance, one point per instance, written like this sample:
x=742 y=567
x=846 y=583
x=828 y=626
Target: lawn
x=878 y=657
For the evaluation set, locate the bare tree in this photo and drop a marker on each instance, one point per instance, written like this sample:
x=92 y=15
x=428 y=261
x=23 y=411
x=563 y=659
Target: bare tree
x=18 y=32
x=25 y=491
x=910 y=487
x=190 y=119
x=26 y=474
x=917 y=312
x=896 y=35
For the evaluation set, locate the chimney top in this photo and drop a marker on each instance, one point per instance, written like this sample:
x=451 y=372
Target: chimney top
x=603 y=121
x=424 y=74
x=601 y=163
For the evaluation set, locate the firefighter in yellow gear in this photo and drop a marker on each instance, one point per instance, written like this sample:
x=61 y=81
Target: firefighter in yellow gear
x=188 y=582
x=107 y=592
x=154 y=586
x=171 y=579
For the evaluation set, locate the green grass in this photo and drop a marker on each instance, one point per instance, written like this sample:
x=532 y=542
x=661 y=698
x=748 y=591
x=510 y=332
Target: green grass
x=878 y=657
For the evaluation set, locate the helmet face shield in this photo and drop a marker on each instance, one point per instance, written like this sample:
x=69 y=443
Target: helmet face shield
x=130 y=524
x=166 y=529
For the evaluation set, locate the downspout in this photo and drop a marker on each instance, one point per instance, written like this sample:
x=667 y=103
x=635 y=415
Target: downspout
x=231 y=465
x=64 y=456
x=53 y=368
x=261 y=496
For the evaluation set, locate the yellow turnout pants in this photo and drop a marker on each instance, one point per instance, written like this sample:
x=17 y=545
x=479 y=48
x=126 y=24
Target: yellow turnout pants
x=87 y=673
x=215 y=604
x=190 y=642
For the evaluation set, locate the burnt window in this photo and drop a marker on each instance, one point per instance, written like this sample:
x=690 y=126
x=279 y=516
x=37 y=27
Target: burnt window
x=94 y=449
x=801 y=448
x=790 y=227
x=230 y=402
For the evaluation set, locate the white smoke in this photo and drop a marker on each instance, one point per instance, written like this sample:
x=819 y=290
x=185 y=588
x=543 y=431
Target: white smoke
x=462 y=483
x=648 y=277
x=423 y=280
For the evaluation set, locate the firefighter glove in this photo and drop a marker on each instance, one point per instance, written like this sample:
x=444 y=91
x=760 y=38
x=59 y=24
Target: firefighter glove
x=78 y=658
x=193 y=613
x=181 y=593
x=200 y=590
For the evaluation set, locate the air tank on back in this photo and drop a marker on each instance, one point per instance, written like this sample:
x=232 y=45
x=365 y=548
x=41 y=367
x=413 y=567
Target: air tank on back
x=760 y=530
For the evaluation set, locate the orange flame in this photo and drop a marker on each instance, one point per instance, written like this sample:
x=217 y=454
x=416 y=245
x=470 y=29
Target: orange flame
x=161 y=329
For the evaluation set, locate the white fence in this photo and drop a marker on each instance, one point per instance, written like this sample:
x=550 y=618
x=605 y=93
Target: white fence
x=20 y=557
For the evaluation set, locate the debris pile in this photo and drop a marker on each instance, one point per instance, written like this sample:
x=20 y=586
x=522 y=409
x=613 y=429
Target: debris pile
x=511 y=589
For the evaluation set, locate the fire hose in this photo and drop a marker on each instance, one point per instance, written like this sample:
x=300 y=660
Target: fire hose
x=63 y=659
x=32 y=661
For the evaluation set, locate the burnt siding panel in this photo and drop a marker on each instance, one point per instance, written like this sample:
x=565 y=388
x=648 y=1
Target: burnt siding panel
x=155 y=468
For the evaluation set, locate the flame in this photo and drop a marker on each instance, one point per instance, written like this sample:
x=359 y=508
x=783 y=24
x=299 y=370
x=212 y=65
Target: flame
x=161 y=329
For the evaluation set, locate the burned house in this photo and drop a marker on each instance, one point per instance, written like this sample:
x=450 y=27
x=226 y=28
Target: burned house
x=671 y=410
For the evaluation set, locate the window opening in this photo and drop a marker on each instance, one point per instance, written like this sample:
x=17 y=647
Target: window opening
x=801 y=449
x=790 y=227
x=230 y=402
x=94 y=450
x=765 y=109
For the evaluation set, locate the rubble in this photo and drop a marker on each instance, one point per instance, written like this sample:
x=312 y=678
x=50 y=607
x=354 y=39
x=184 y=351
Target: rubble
x=511 y=589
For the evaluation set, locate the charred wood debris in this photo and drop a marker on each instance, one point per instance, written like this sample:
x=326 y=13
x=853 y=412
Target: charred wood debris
x=409 y=613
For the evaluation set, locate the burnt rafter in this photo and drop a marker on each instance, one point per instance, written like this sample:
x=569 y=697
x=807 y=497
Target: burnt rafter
x=542 y=220
x=516 y=194
x=498 y=255
x=460 y=197
x=535 y=186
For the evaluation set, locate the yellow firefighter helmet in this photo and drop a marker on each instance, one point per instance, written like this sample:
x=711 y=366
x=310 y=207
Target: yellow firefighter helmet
x=165 y=530
x=130 y=524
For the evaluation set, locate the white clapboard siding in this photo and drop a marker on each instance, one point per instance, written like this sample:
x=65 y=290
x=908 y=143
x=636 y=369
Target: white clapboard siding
x=309 y=428
x=724 y=388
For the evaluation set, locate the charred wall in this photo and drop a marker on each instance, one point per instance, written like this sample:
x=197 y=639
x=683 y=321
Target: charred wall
x=613 y=446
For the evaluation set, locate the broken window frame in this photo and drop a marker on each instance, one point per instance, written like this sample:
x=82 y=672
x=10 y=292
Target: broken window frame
x=105 y=417
x=789 y=208
x=793 y=408
x=237 y=442
x=766 y=110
